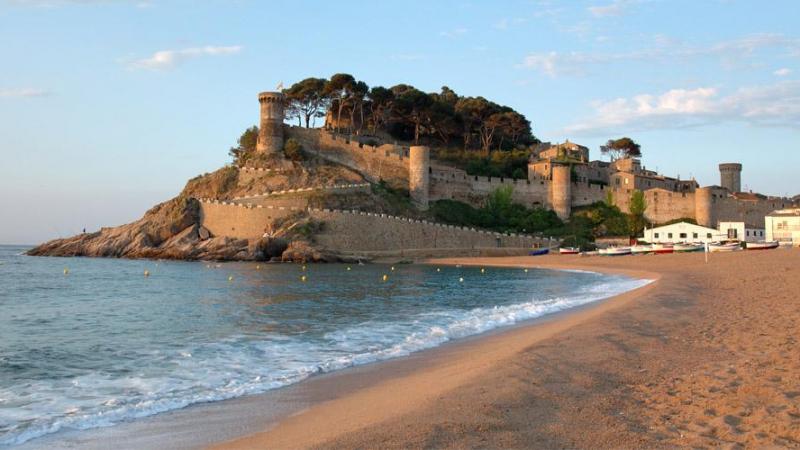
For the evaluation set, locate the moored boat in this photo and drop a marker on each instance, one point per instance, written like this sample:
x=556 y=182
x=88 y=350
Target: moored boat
x=539 y=251
x=718 y=247
x=569 y=250
x=616 y=251
x=662 y=248
x=762 y=245
x=641 y=249
x=686 y=248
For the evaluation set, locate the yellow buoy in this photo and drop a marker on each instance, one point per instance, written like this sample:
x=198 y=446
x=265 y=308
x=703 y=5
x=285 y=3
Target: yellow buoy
x=230 y=278
x=258 y=267
x=304 y=267
x=392 y=268
x=303 y=278
x=438 y=269
x=146 y=273
x=348 y=268
x=526 y=270
x=483 y=270
x=66 y=271
x=461 y=280
x=385 y=277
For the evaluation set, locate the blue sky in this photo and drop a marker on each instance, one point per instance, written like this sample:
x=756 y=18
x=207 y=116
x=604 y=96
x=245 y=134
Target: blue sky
x=108 y=106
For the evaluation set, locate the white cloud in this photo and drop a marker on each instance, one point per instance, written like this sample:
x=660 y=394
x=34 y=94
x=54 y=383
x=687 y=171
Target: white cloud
x=168 y=59
x=770 y=105
x=453 y=33
x=615 y=8
x=731 y=52
x=782 y=72
x=23 y=93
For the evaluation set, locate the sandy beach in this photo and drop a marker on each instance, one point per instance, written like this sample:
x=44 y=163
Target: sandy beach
x=705 y=356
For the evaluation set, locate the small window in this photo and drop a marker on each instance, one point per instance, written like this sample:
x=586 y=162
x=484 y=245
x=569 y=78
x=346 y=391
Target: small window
x=708 y=235
x=656 y=235
x=747 y=232
x=669 y=235
x=683 y=235
x=694 y=235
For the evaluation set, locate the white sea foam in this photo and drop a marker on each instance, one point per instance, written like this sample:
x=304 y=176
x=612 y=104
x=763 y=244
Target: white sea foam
x=238 y=366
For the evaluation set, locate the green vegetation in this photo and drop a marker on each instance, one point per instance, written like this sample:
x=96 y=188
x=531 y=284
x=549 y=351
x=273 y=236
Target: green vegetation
x=507 y=164
x=246 y=148
x=498 y=214
x=621 y=148
x=636 y=220
x=293 y=150
x=407 y=113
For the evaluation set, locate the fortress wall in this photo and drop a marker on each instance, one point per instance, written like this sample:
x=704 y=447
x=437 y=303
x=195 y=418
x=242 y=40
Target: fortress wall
x=353 y=231
x=238 y=220
x=751 y=212
x=663 y=205
x=387 y=162
x=584 y=194
x=455 y=184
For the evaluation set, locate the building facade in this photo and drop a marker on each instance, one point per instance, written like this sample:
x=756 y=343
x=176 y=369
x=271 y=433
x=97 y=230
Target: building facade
x=783 y=226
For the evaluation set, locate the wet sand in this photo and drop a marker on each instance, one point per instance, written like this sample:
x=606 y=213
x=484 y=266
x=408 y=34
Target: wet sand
x=706 y=356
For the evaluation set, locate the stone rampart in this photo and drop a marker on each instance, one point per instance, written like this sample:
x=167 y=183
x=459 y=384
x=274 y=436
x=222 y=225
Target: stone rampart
x=386 y=162
x=359 y=232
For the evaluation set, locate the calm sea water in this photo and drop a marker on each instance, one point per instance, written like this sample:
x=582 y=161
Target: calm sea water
x=105 y=344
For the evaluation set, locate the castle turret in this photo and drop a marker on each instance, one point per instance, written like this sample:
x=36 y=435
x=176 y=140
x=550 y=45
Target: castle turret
x=270 y=130
x=561 y=190
x=419 y=163
x=730 y=176
x=704 y=207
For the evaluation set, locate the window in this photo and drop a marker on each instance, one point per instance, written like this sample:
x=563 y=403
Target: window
x=747 y=233
x=669 y=235
x=655 y=235
x=683 y=235
x=708 y=235
x=694 y=235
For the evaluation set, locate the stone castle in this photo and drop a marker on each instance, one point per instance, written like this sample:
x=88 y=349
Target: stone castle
x=560 y=177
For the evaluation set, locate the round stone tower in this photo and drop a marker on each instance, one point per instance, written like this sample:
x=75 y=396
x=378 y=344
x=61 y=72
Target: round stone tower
x=704 y=207
x=561 y=190
x=730 y=176
x=419 y=163
x=270 y=130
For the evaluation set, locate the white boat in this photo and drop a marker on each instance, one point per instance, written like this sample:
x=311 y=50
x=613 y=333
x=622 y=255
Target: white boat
x=641 y=249
x=786 y=244
x=662 y=248
x=616 y=251
x=685 y=248
x=718 y=247
x=569 y=250
x=762 y=245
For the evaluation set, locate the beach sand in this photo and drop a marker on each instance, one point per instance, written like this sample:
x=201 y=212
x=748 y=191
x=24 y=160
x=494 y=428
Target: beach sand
x=705 y=356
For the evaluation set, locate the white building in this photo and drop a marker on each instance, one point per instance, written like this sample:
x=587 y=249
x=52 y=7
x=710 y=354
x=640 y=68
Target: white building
x=683 y=232
x=742 y=232
x=783 y=225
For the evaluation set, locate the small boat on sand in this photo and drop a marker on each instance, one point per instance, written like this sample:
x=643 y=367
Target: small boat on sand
x=718 y=247
x=539 y=251
x=662 y=248
x=569 y=250
x=615 y=251
x=686 y=248
x=763 y=245
x=641 y=249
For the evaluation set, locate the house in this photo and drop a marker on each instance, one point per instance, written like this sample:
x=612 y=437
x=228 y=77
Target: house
x=783 y=225
x=683 y=232
x=742 y=231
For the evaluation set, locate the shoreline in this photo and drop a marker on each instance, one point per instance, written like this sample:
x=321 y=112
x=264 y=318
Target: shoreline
x=233 y=418
x=368 y=405
x=706 y=357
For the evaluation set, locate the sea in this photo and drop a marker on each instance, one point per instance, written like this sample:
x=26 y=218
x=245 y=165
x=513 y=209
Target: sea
x=94 y=342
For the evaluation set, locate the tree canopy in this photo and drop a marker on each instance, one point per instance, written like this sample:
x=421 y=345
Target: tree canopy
x=623 y=147
x=406 y=113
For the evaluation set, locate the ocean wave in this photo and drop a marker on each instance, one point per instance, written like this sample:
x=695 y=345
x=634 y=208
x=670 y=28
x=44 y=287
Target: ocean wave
x=239 y=365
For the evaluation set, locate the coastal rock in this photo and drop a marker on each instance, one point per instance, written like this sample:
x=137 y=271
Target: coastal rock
x=303 y=251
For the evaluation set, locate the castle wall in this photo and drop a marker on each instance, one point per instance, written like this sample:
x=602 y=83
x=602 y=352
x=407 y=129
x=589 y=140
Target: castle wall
x=419 y=175
x=386 y=162
x=561 y=191
x=448 y=183
x=270 y=129
x=664 y=205
x=354 y=232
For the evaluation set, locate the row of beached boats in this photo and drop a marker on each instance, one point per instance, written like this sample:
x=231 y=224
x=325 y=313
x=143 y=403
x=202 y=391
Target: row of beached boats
x=642 y=249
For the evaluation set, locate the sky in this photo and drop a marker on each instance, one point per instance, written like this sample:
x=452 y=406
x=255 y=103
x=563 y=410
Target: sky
x=108 y=107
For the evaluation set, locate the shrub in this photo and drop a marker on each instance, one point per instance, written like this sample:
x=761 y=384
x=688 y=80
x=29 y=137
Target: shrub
x=293 y=150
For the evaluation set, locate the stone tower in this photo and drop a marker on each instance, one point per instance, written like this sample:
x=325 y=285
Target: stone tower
x=561 y=190
x=419 y=163
x=730 y=176
x=704 y=207
x=270 y=130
